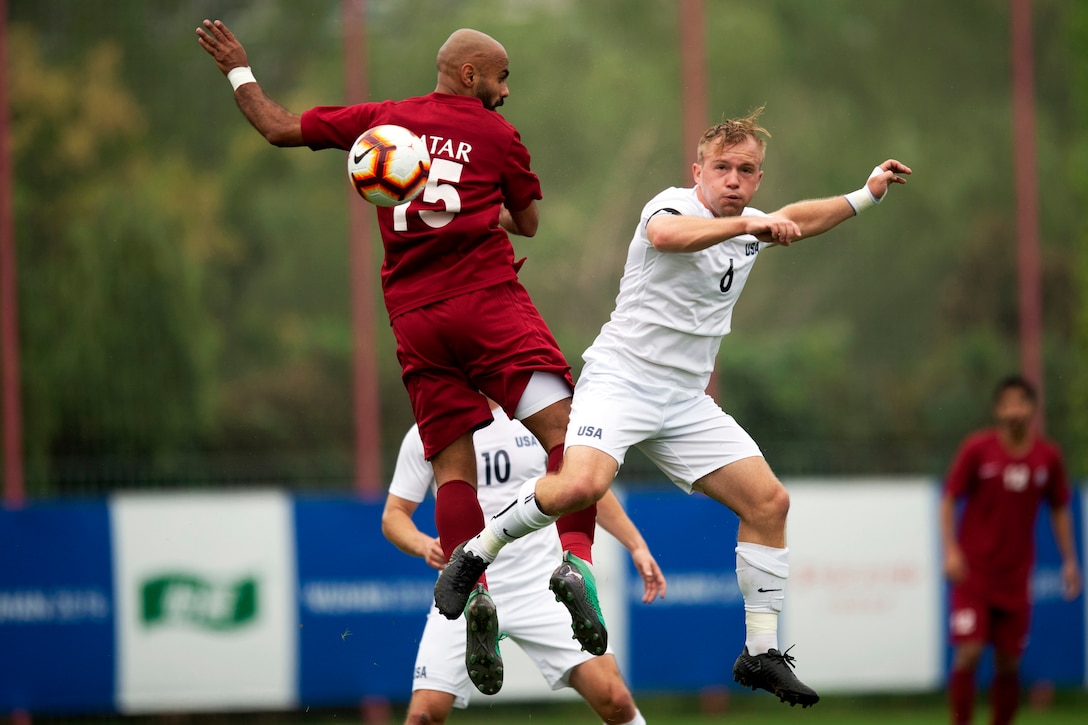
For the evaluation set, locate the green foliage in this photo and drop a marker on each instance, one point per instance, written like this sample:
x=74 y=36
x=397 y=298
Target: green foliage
x=184 y=290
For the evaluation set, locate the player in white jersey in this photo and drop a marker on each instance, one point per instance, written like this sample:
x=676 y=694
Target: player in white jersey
x=507 y=455
x=644 y=384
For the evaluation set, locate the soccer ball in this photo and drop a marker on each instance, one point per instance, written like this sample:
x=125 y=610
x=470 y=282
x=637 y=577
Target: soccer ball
x=388 y=165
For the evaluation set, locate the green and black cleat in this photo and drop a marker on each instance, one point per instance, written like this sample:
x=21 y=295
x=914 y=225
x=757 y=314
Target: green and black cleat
x=482 y=657
x=576 y=589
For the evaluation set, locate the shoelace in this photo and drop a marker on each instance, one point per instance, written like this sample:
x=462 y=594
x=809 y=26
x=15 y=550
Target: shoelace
x=787 y=657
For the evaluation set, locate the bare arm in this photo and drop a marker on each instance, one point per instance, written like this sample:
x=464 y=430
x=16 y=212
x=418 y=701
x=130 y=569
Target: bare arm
x=398 y=527
x=523 y=223
x=955 y=566
x=278 y=125
x=676 y=233
x=614 y=520
x=1061 y=522
x=816 y=216
x=685 y=234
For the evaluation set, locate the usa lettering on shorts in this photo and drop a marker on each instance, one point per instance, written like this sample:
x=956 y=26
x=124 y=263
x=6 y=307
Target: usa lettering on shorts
x=589 y=431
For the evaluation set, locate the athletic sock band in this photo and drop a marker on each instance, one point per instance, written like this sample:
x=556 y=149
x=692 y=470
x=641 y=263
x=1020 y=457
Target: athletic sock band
x=240 y=76
x=862 y=199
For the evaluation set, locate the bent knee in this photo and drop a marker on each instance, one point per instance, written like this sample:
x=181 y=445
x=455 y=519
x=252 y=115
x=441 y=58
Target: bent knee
x=773 y=507
x=582 y=488
x=419 y=716
x=618 y=706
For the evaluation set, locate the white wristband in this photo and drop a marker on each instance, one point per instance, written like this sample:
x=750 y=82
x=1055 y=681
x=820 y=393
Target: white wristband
x=862 y=199
x=240 y=76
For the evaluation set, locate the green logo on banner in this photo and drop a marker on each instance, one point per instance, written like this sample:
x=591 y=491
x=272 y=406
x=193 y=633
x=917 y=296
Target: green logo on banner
x=183 y=598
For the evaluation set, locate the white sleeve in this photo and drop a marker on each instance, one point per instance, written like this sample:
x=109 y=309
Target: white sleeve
x=671 y=201
x=413 y=476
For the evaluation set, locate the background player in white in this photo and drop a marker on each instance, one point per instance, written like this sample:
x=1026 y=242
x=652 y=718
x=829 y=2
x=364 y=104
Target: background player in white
x=645 y=379
x=507 y=455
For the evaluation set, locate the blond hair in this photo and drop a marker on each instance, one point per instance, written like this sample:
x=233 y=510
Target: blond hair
x=732 y=132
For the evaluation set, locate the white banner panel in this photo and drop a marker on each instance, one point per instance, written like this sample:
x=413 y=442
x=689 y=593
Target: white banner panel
x=205 y=596
x=864 y=603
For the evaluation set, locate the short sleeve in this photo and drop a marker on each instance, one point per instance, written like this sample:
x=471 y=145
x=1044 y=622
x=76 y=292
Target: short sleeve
x=520 y=186
x=413 y=476
x=336 y=127
x=961 y=473
x=1059 y=493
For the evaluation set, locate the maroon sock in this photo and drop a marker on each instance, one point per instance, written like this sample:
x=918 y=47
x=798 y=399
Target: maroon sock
x=576 y=531
x=555 y=458
x=1004 y=697
x=457 y=514
x=961 y=696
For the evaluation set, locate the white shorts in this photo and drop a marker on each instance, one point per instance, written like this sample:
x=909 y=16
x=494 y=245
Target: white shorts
x=685 y=434
x=533 y=619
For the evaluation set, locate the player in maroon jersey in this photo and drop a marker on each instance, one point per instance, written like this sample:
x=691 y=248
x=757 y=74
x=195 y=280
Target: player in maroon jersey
x=1003 y=474
x=462 y=321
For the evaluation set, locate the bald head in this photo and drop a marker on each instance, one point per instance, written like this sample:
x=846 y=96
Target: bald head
x=471 y=63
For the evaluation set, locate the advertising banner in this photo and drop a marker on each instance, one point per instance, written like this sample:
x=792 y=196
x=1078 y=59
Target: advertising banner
x=204 y=592
x=264 y=601
x=362 y=605
x=689 y=640
x=56 y=618
x=864 y=604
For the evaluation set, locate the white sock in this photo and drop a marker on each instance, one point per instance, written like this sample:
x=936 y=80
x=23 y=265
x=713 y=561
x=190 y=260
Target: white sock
x=639 y=720
x=521 y=517
x=761 y=573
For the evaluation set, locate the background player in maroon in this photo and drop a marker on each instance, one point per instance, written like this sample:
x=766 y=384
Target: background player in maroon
x=462 y=321
x=1003 y=474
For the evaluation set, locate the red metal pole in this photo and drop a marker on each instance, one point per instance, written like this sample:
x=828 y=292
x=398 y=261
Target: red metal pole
x=693 y=97
x=14 y=491
x=368 y=467
x=1027 y=204
x=693 y=80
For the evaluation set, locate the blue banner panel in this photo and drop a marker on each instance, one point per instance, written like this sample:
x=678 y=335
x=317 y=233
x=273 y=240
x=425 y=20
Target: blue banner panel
x=689 y=640
x=56 y=610
x=1056 y=650
x=362 y=603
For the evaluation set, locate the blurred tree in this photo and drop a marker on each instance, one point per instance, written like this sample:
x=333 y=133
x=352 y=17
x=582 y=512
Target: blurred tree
x=117 y=347
x=184 y=288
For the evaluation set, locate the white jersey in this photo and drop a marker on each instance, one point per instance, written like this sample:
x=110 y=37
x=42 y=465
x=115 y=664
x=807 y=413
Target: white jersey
x=506 y=455
x=673 y=309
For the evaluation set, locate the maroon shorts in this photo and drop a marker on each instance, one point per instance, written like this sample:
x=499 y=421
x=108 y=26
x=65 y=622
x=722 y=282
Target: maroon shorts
x=490 y=341
x=975 y=618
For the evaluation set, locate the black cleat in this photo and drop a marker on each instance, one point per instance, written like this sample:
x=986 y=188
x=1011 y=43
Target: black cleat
x=456 y=582
x=773 y=672
x=482 y=657
x=576 y=589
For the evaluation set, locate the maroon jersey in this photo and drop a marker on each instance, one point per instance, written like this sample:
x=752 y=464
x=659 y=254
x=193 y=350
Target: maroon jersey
x=1003 y=493
x=447 y=241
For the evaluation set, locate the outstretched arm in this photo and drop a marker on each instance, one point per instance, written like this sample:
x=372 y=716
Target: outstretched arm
x=816 y=216
x=614 y=520
x=278 y=125
x=676 y=233
x=398 y=527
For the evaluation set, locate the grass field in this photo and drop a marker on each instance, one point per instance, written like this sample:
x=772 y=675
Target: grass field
x=1070 y=707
